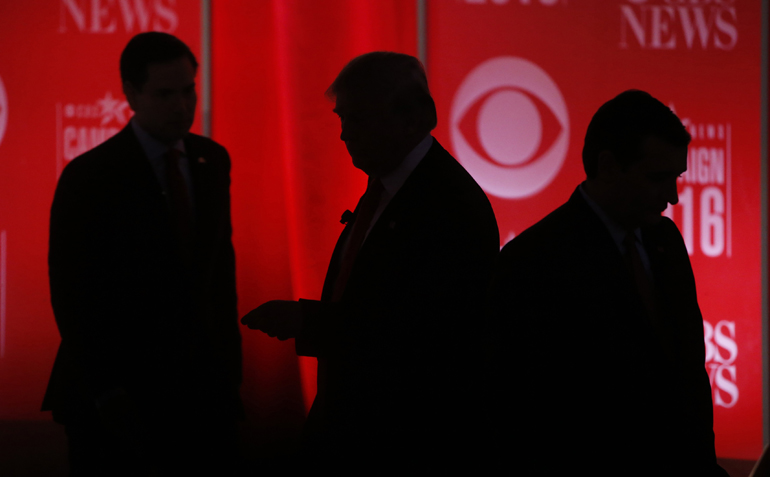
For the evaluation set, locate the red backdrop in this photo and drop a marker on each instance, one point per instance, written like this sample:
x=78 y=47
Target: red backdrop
x=516 y=83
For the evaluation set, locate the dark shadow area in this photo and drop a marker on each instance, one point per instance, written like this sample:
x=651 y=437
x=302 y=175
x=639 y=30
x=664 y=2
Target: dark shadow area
x=39 y=448
x=737 y=467
x=33 y=448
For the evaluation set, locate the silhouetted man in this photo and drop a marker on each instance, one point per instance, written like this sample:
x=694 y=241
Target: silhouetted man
x=143 y=286
x=391 y=330
x=600 y=338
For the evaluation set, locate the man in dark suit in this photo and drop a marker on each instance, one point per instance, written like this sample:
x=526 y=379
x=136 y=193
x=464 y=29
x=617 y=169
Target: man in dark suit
x=599 y=335
x=393 y=331
x=142 y=278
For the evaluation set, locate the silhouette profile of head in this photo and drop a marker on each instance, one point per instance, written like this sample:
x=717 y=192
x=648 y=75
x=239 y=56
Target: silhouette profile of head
x=635 y=149
x=158 y=74
x=385 y=109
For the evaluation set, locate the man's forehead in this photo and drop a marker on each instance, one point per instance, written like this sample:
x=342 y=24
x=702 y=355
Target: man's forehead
x=172 y=73
x=358 y=101
x=660 y=154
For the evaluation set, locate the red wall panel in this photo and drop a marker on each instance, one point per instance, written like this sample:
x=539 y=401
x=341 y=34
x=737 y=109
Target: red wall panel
x=516 y=83
x=553 y=63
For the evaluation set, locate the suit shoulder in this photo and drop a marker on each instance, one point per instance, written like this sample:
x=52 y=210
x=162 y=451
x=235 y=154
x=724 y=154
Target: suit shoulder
x=207 y=146
x=441 y=194
x=99 y=160
x=465 y=197
x=667 y=234
x=456 y=182
x=553 y=227
x=668 y=227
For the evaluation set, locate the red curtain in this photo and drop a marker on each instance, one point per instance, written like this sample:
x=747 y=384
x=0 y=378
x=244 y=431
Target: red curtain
x=292 y=177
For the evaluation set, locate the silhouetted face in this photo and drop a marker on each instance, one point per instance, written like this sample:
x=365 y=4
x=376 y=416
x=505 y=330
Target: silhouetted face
x=643 y=191
x=376 y=137
x=165 y=106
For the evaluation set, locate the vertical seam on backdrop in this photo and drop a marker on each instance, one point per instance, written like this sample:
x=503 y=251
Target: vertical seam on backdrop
x=729 y=190
x=422 y=24
x=206 y=67
x=3 y=286
x=59 y=141
x=764 y=224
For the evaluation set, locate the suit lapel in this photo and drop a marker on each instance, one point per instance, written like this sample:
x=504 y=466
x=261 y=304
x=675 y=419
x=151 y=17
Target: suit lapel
x=200 y=184
x=599 y=239
x=143 y=192
x=386 y=224
x=610 y=262
x=656 y=251
x=412 y=192
x=135 y=169
x=665 y=283
x=208 y=220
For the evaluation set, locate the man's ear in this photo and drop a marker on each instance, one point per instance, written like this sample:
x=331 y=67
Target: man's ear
x=607 y=166
x=415 y=126
x=131 y=92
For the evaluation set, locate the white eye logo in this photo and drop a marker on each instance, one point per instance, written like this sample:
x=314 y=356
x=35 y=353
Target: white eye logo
x=3 y=110
x=510 y=127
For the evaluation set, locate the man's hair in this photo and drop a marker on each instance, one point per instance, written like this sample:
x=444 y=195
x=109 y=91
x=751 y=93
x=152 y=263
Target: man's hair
x=397 y=78
x=151 y=47
x=623 y=123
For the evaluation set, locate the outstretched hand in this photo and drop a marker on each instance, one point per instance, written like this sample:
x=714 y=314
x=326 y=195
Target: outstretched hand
x=278 y=318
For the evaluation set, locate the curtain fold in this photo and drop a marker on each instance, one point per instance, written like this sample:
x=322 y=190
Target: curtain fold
x=292 y=177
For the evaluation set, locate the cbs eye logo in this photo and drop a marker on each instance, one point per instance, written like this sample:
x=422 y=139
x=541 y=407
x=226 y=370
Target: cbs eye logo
x=3 y=110
x=510 y=127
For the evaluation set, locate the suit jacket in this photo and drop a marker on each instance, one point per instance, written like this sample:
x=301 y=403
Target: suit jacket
x=396 y=352
x=582 y=369
x=132 y=313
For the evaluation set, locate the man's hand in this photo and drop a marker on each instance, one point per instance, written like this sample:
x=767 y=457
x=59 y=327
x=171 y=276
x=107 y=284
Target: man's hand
x=277 y=318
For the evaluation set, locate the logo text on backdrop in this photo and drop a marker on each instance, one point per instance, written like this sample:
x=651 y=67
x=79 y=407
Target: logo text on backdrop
x=509 y=127
x=111 y=16
x=704 y=211
x=672 y=24
x=81 y=127
x=545 y=3
x=721 y=352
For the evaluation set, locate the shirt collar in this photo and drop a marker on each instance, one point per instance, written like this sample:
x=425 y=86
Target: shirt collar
x=393 y=180
x=151 y=146
x=618 y=233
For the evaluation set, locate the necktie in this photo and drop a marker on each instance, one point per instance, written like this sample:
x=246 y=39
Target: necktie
x=646 y=289
x=179 y=202
x=365 y=210
x=636 y=267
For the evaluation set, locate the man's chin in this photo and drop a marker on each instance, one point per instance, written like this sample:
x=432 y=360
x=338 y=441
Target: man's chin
x=172 y=135
x=652 y=219
x=362 y=163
